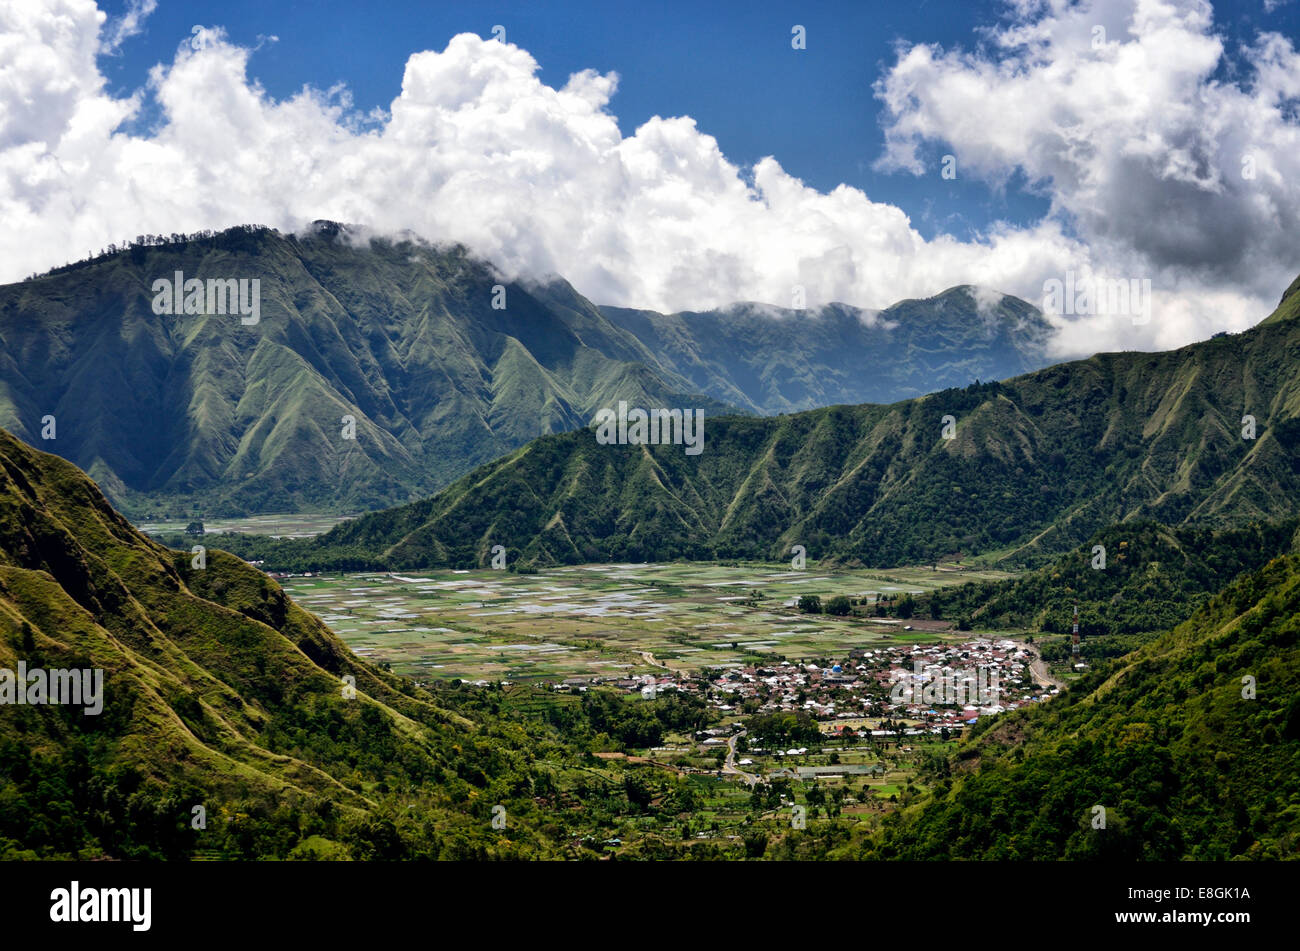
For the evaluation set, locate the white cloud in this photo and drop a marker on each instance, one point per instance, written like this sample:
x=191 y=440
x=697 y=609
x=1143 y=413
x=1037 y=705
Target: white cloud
x=1111 y=108
x=1137 y=147
x=129 y=24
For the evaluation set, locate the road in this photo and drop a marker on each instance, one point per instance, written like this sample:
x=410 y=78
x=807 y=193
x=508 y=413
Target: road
x=1038 y=670
x=649 y=658
x=729 y=765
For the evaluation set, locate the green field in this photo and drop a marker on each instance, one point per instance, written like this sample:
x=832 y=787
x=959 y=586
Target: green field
x=274 y=526
x=607 y=620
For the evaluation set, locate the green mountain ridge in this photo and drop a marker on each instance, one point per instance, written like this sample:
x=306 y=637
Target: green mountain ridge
x=219 y=692
x=1036 y=465
x=203 y=415
x=774 y=360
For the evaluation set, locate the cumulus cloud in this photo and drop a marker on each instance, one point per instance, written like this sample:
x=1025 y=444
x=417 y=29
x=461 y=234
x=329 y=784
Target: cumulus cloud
x=1112 y=110
x=1138 y=146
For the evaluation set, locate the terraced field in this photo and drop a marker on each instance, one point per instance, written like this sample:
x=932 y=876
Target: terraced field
x=606 y=620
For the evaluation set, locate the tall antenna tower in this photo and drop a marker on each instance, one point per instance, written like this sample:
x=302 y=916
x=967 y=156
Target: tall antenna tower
x=1074 y=636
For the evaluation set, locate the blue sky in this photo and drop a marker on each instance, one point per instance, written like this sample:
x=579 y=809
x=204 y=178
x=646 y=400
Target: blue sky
x=1167 y=149
x=727 y=64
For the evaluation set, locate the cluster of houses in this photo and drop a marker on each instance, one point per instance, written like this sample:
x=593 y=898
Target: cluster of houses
x=931 y=688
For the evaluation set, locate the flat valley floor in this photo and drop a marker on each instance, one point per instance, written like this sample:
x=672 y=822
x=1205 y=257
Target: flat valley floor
x=604 y=621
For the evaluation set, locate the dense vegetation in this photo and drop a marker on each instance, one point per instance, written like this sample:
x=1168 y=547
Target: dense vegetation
x=1035 y=467
x=1191 y=744
x=1154 y=577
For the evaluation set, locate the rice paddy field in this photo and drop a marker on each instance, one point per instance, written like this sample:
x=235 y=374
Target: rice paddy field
x=275 y=526
x=607 y=620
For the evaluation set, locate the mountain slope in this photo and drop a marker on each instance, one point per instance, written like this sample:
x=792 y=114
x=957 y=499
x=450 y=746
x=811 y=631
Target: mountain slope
x=218 y=692
x=1153 y=578
x=1035 y=466
x=203 y=412
x=1188 y=758
x=771 y=360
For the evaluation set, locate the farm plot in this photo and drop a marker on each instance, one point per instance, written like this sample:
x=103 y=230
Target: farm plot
x=604 y=621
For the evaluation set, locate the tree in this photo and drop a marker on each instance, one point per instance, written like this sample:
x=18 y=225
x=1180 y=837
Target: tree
x=810 y=604
x=195 y=529
x=906 y=606
x=838 y=605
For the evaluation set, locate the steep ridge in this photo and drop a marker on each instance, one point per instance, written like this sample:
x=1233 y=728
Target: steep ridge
x=1034 y=466
x=202 y=412
x=774 y=360
x=217 y=692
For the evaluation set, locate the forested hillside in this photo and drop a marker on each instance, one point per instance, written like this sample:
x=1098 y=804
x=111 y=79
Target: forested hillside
x=1128 y=580
x=1191 y=745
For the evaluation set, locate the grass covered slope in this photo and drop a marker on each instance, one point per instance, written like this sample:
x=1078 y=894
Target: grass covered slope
x=202 y=413
x=1163 y=738
x=1036 y=466
x=219 y=692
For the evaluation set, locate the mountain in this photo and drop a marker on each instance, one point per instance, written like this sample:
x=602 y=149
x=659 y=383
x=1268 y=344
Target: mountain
x=1128 y=580
x=206 y=413
x=1190 y=744
x=217 y=691
x=228 y=723
x=1035 y=466
x=220 y=414
x=771 y=360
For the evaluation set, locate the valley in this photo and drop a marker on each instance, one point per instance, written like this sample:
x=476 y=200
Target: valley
x=782 y=716
x=357 y=504
x=287 y=525
x=611 y=621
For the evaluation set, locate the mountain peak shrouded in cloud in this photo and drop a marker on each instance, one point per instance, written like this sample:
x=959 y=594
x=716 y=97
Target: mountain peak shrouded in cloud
x=1113 y=128
x=403 y=336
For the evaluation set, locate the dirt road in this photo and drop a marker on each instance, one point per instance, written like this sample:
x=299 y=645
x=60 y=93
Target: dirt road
x=1039 y=671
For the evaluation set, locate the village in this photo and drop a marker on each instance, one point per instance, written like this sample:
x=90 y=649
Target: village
x=935 y=689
